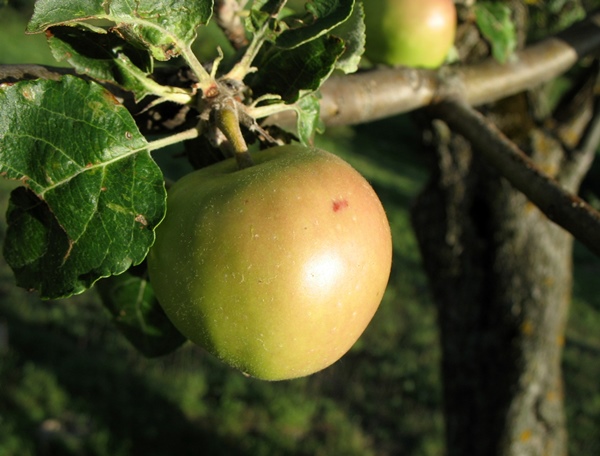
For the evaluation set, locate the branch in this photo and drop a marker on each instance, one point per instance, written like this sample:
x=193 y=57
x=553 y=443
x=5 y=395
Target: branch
x=382 y=92
x=20 y=72
x=379 y=93
x=562 y=207
x=581 y=157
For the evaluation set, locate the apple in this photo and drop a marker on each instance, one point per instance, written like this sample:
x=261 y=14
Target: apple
x=276 y=269
x=413 y=33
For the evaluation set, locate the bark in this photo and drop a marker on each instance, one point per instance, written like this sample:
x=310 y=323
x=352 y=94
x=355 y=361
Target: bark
x=500 y=269
x=501 y=276
x=556 y=202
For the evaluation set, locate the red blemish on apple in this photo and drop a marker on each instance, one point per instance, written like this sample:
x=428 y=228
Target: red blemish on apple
x=338 y=205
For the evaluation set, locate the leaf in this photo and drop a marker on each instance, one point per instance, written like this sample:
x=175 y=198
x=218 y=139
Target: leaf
x=353 y=33
x=261 y=20
x=257 y=20
x=271 y=8
x=163 y=27
x=308 y=118
x=291 y=73
x=136 y=312
x=94 y=194
x=495 y=23
x=324 y=16
x=103 y=57
x=260 y=25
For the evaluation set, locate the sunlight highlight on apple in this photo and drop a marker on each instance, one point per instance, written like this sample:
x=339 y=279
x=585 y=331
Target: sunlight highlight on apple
x=323 y=271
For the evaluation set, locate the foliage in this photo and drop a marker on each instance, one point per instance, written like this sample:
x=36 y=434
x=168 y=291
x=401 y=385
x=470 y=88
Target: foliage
x=494 y=21
x=106 y=142
x=84 y=213
x=71 y=385
x=92 y=193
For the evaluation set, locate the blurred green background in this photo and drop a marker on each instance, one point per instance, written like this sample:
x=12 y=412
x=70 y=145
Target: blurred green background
x=71 y=385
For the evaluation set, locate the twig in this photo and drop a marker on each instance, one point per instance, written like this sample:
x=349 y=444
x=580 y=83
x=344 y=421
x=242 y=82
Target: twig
x=581 y=158
x=20 y=72
x=562 y=207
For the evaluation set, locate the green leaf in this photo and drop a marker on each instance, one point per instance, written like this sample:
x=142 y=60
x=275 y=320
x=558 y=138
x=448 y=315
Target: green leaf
x=256 y=20
x=94 y=194
x=164 y=27
x=324 y=16
x=270 y=7
x=103 y=57
x=308 y=118
x=292 y=73
x=130 y=299
x=257 y=23
x=261 y=19
x=353 y=33
x=495 y=23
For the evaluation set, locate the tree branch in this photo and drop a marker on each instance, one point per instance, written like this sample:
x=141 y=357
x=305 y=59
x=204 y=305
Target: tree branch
x=382 y=92
x=565 y=209
x=20 y=72
x=379 y=93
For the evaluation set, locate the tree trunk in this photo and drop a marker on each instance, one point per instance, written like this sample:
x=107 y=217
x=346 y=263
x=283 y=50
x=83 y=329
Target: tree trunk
x=501 y=276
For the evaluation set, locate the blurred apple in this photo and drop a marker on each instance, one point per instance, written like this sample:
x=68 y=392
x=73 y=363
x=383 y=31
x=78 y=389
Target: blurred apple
x=413 y=33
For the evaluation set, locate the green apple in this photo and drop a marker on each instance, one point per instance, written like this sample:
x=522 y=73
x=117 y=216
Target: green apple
x=413 y=33
x=276 y=269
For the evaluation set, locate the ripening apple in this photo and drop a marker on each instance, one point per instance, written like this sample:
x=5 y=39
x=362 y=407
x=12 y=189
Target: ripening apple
x=413 y=33
x=276 y=269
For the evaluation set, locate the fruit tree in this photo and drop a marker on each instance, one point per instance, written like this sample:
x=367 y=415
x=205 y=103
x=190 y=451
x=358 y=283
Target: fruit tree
x=273 y=254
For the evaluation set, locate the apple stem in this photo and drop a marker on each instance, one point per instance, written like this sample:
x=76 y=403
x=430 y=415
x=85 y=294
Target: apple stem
x=227 y=119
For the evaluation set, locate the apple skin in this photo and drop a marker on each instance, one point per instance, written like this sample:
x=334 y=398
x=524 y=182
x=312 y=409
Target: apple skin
x=412 y=33
x=276 y=269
